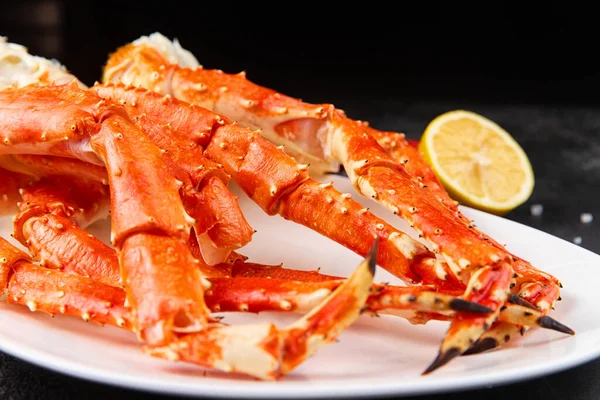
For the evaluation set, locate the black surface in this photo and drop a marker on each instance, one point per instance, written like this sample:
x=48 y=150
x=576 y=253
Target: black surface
x=563 y=144
x=428 y=50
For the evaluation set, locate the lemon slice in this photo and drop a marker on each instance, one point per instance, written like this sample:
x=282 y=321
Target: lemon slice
x=479 y=163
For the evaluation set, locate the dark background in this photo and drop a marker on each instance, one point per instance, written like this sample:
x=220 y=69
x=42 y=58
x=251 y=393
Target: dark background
x=531 y=67
x=501 y=52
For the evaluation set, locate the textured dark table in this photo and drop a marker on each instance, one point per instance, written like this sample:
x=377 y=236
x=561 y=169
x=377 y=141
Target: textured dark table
x=564 y=147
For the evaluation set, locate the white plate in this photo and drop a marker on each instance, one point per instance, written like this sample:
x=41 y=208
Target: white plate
x=376 y=356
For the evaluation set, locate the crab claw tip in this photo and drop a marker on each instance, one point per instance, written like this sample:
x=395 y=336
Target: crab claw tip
x=442 y=359
x=550 y=323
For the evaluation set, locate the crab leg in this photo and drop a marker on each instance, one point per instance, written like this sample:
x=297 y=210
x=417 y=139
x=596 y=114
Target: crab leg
x=56 y=292
x=61 y=292
x=427 y=302
x=309 y=132
x=53 y=213
x=157 y=63
x=277 y=183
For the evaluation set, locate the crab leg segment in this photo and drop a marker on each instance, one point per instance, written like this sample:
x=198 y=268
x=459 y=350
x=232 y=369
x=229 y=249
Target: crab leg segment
x=55 y=292
x=220 y=225
x=266 y=352
x=45 y=225
x=396 y=145
x=150 y=231
x=58 y=243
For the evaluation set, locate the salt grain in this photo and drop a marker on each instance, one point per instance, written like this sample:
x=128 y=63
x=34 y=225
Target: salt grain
x=586 y=218
x=577 y=240
x=537 y=210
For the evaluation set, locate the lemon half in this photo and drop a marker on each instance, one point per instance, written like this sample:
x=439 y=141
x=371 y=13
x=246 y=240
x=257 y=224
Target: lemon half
x=479 y=163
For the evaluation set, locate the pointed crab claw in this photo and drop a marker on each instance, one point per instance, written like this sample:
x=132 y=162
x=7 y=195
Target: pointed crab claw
x=265 y=352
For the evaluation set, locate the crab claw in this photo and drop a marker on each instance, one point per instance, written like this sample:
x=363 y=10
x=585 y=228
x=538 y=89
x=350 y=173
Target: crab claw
x=263 y=351
x=518 y=316
x=487 y=286
x=538 y=299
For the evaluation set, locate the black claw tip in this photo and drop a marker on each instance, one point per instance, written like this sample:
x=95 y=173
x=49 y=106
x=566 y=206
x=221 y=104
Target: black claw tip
x=372 y=257
x=518 y=300
x=550 y=323
x=482 y=345
x=469 y=306
x=442 y=359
